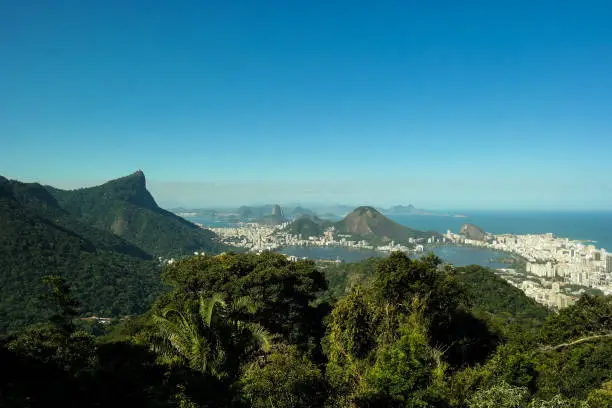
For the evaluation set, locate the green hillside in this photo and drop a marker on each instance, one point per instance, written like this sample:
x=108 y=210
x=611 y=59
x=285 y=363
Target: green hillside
x=308 y=225
x=368 y=223
x=108 y=275
x=488 y=292
x=494 y=295
x=125 y=208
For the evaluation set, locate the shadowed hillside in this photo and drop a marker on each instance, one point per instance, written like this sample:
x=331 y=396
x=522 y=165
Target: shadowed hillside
x=38 y=238
x=126 y=208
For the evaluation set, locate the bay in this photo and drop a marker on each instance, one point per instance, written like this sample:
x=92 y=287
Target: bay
x=332 y=253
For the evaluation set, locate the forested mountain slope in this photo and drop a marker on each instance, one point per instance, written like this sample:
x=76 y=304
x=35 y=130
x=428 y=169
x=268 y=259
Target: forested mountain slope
x=126 y=208
x=109 y=275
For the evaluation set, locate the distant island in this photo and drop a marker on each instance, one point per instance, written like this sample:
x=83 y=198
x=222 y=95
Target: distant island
x=412 y=210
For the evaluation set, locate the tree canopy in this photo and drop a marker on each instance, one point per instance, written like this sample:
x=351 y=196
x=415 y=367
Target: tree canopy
x=246 y=330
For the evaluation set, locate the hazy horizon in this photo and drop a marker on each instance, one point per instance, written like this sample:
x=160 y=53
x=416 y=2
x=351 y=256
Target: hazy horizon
x=381 y=194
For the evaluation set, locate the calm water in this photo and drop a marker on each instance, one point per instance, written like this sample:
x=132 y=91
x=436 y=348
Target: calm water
x=345 y=254
x=462 y=256
x=459 y=256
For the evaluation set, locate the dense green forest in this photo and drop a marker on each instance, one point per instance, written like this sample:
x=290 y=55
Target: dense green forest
x=44 y=231
x=258 y=330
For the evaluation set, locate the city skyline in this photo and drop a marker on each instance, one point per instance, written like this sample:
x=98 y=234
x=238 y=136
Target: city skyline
x=446 y=105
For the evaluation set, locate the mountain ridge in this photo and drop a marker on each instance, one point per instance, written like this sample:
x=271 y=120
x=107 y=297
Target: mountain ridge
x=126 y=208
x=103 y=240
x=38 y=238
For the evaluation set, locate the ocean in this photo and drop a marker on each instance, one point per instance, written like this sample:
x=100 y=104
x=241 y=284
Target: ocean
x=583 y=226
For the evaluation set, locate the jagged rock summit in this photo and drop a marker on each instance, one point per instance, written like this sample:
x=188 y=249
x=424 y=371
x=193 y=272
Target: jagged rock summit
x=275 y=218
x=277 y=211
x=131 y=188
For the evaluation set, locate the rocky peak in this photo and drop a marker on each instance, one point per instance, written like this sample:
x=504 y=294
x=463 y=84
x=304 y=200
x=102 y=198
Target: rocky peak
x=277 y=210
x=472 y=231
x=132 y=188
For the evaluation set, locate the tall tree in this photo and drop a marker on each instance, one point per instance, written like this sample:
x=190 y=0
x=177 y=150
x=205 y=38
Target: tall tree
x=283 y=378
x=283 y=291
x=210 y=336
x=59 y=299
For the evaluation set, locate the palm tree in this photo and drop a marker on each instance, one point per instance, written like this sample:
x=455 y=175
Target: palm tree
x=210 y=335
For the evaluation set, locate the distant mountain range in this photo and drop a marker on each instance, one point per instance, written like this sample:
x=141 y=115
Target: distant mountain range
x=104 y=240
x=330 y=212
x=265 y=214
x=412 y=210
x=406 y=210
x=275 y=218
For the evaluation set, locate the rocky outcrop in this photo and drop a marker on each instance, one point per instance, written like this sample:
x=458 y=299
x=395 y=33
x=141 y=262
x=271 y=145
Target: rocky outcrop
x=471 y=231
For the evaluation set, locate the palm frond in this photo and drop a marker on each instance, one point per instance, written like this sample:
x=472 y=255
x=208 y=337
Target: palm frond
x=262 y=337
x=174 y=333
x=243 y=304
x=201 y=334
x=207 y=307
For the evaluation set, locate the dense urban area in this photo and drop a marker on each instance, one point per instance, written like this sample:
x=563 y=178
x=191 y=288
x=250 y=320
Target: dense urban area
x=552 y=270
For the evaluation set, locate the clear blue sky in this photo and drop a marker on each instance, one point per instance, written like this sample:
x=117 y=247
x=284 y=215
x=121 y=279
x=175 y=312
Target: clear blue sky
x=443 y=104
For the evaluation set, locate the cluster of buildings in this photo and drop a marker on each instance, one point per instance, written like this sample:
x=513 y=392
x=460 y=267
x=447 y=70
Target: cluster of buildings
x=551 y=296
x=557 y=262
x=253 y=236
x=552 y=264
x=258 y=238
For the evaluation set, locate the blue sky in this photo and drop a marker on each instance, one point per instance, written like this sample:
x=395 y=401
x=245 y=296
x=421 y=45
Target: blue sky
x=454 y=105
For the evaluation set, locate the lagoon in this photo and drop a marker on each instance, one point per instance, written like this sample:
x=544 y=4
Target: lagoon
x=457 y=255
